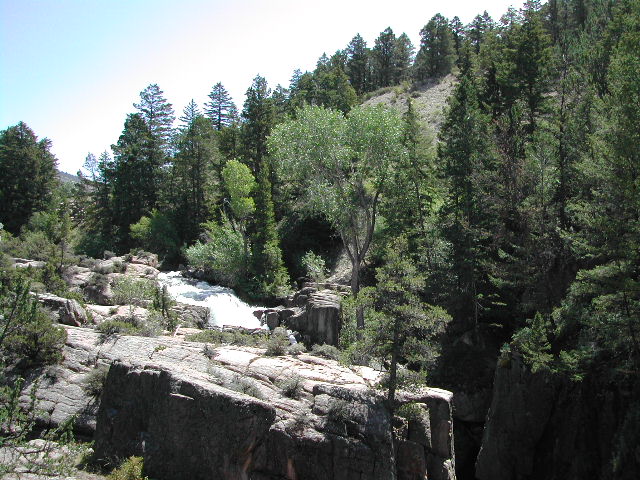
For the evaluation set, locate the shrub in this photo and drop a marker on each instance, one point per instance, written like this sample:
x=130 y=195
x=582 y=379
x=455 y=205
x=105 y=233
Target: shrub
x=222 y=257
x=245 y=385
x=314 y=266
x=338 y=410
x=231 y=337
x=28 y=335
x=93 y=382
x=278 y=342
x=108 y=328
x=326 y=351
x=134 y=291
x=296 y=349
x=156 y=233
x=131 y=469
x=410 y=411
x=292 y=386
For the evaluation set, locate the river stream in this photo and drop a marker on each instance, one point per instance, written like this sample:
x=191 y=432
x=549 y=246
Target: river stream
x=224 y=306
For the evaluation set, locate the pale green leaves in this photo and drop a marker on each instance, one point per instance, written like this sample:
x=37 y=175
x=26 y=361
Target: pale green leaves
x=239 y=183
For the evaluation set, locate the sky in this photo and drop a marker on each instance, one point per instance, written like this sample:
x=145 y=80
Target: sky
x=72 y=69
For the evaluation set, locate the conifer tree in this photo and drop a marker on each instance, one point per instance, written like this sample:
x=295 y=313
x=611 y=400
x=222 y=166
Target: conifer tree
x=268 y=266
x=402 y=59
x=258 y=115
x=28 y=175
x=158 y=115
x=437 y=53
x=189 y=114
x=136 y=176
x=358 y=64
x=467 y=155
x=220 y=109
x=383 y=54
x=196 y=175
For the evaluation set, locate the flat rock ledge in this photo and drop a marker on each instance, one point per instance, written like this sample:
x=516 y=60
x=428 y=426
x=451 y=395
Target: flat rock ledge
x=226 y=412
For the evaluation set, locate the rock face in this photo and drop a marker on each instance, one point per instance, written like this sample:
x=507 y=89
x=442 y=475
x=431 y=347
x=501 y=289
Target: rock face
x=64 y=310
x=319 y=319
x=543 y=427
x=185 y=412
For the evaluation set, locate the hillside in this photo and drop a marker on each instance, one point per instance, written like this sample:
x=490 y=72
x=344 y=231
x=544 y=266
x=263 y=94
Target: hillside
x=429 y=99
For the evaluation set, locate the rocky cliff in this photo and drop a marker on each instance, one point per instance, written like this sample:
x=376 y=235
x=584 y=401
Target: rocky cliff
x=231 y=412
x=542 y=426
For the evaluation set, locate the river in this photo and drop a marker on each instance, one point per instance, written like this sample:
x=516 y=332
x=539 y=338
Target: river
x=224 y=306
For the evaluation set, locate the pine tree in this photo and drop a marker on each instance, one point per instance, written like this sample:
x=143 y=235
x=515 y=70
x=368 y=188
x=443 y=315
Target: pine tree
x=477 y=30
x=402 y=59
x=437 y=53
x=268 y=266
x=189 y=114
x=258 y=114
x=28 y=175
x=196 y=175
x=220 y=109
x=158 y=115
x=383 y=54
x=136 y=176
x=467 y=155
x=358 y=64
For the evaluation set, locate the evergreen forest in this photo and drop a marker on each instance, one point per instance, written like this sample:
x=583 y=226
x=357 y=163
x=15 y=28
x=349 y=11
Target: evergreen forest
x=508 y=228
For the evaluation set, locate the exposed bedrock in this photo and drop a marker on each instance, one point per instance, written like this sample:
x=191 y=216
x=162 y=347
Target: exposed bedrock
x=226 y=412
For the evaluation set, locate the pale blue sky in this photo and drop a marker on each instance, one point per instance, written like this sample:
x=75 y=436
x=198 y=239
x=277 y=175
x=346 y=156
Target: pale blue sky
x=71 y=69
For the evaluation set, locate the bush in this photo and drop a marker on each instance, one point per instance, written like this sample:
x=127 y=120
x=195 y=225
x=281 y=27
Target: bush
x=28 y=335
x=108 y=328
x=292 y=386
x=314 y=266
x=296 y=349
x=222 y=257
x=230 y=337
x=410 y=411
x=245 y=385
x=134 y=291
x=157 y=234
x=131 y=469
x=338 y=410
x=326 y=351
x=93 y=382
x=278 y=343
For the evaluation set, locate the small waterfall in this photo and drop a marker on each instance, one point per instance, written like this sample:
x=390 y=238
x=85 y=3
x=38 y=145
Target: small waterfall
x=225 y=308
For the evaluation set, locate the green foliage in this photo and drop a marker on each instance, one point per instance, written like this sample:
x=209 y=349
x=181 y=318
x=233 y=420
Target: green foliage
x=156 y=233
x=314 y=266
x=266 y=259
x=343 y=166
x=437 y=53
x=292 y=386
x=131 y=469
x=93 y=382
x=228 y=337
x=278 y=343
x=338 y=410
x=246 y=385
x=533 y=342
x=239 y=183
x=222 y=257
x=411 y=411
x=326 y=351
x=109 y=328
x=134 y=291
x=400 y=327
x=27 y=336
x=27 y=175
